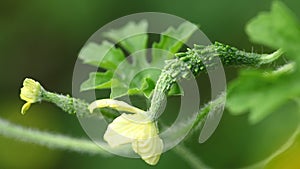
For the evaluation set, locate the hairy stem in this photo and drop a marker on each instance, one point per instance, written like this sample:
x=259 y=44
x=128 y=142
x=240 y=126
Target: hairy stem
x=66 y=103
x=49 y=140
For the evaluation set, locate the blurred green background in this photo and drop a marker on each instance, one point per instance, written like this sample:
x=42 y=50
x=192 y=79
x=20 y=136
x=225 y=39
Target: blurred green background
x=41 y=39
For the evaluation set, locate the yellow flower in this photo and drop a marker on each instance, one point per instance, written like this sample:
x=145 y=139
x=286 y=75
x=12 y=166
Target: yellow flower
x=135 y=128
x=31 y=93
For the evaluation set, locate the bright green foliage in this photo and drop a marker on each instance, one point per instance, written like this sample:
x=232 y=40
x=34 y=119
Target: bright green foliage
x=259 y=92
x=132 y=37
x=278 y=28
x=140 y=76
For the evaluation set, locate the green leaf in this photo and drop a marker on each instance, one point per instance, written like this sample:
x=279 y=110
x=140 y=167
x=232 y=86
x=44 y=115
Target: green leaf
x=105 y=55
x=278 y=28
x=132 y=37
x=140 y=76
x=260 y=93
x=172 y=40
x=97 y=80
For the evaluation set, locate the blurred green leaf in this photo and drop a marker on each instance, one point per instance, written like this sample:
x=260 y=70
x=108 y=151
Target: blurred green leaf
x=260 y=92
x=278 y=28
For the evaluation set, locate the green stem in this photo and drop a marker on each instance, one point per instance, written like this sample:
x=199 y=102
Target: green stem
x=189 y=157
x=49 y=140
x=66 y=103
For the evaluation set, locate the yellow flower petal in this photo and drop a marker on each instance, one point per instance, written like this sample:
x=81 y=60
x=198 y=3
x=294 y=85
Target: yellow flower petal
x=149 y=149
x=138 y=130
x=25 y=107
x=115 y=104
x=31 y=91
x=128 y=126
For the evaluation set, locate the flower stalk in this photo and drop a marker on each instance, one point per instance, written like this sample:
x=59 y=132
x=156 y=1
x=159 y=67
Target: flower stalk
x=67 y=103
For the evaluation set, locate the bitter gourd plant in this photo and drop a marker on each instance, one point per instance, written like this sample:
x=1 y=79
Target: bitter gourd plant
x=271 y=86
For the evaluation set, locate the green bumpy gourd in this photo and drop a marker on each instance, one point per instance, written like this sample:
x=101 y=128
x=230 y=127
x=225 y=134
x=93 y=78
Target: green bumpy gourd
x=202 y=59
